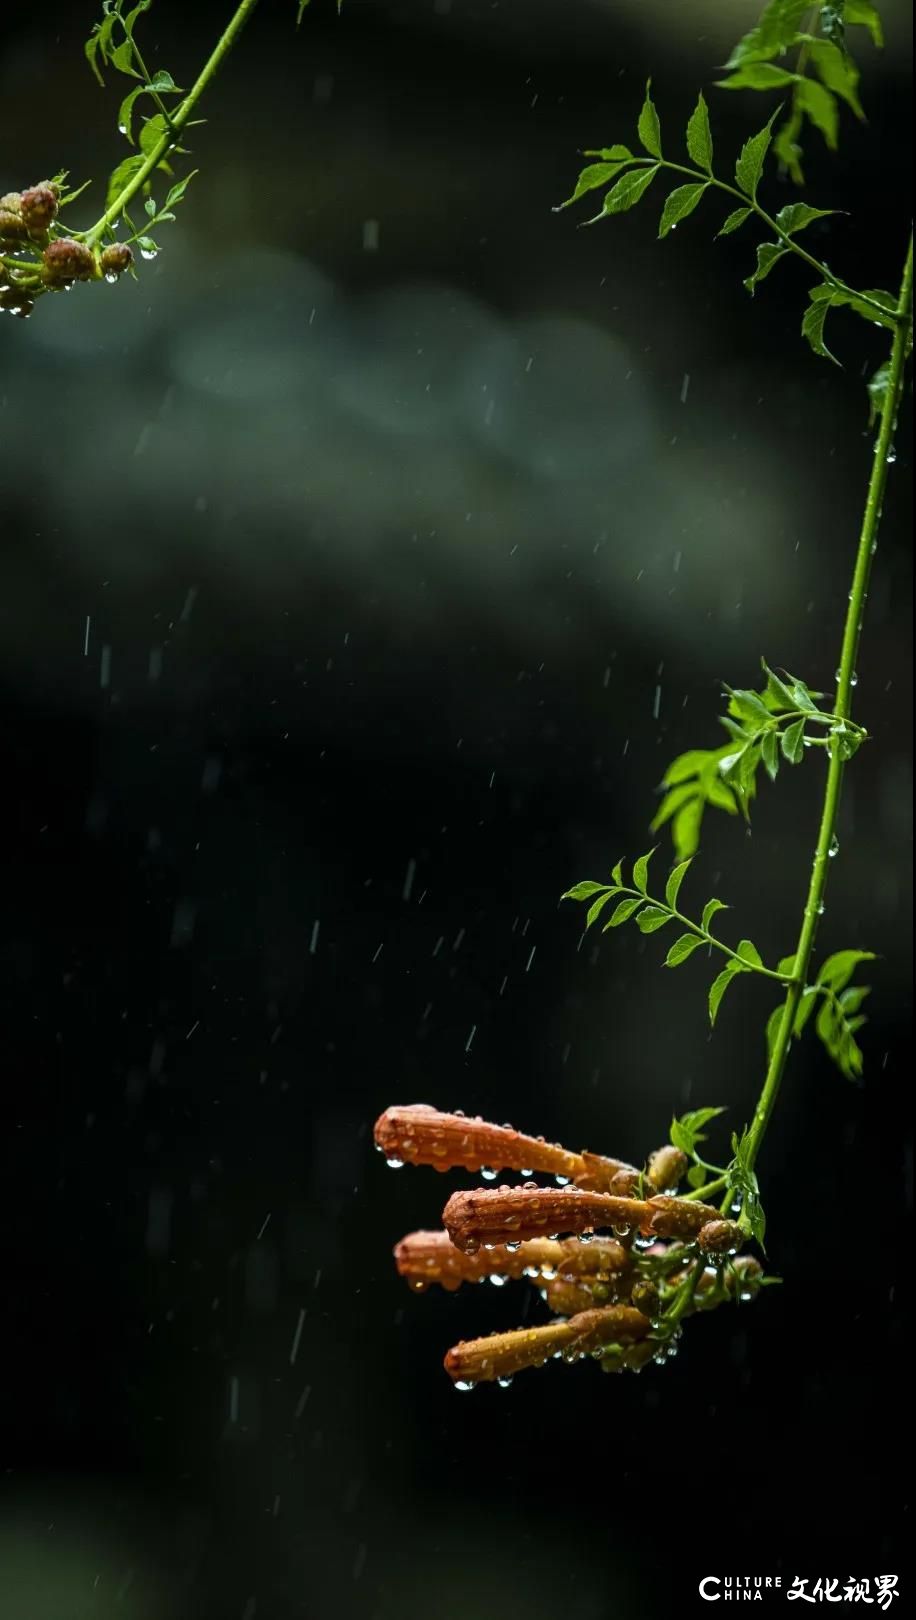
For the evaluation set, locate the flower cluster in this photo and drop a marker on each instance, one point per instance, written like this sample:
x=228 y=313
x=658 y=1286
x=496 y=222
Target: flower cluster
x=619 y=1298
x=38 y=256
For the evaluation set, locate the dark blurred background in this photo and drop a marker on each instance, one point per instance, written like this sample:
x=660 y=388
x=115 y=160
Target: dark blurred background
x=364 y=564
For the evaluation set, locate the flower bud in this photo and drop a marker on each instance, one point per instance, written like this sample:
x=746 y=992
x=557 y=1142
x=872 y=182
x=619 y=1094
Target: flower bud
x=67 y=260
x=12 y=224
x=38 y=207
x=667 y=1166
x=717 y=1237
x=644 y=1296
x=115 y=259
x=679 y=1217
x=624 y=1184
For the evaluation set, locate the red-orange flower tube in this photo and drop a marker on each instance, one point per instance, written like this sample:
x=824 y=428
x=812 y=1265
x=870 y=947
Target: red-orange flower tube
x=418 y=1134
x=502 y=1355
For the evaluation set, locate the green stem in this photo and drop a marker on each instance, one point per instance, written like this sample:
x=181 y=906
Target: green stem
x=683 y=1299
x=176 y=123
x=704 y=1193
x=703 y=933
x=851 y=636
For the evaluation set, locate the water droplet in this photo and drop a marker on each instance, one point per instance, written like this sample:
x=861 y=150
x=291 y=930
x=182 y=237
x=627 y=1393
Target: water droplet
x=487 y=1173
x=821 y=909
x=561 y=1181
x=465 y=1384
x=498 y=1281
x=504 y=1383
x=149 y=253
x=111 y=278
x=834 y=849
x=853 y=679
x=891 y=456
x=526 y=1173
x=395 y=1164
x=513 y=1246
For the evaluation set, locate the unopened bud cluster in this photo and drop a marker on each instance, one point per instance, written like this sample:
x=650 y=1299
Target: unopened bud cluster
x=36 y=256
x=616 y=1255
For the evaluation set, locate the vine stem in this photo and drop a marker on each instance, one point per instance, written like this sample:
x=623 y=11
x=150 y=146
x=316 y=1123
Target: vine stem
x=846 y=675
x=176 y=123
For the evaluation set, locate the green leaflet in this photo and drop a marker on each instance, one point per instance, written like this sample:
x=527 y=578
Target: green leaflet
x=687 y=1132
x=626 y=193
x=820 y=107
x=699 y=136
x=757 y=76
x=742 y=1181
x=709 y=911
x=718 y=988
x=641 y=872
x=836 y=71
x=673 y=885
x=692 y=782
x=121 y=176
x=769 y=753
x=682 y=948
x=865 y=14
x=651 y=918
x=623 y=913
x=584 y=891
x=768 y=255
x=649 y=129
x=679 y=203
x=877 y=392
x=775 y=31
x=795 y=216
x=735 y=220
x=793 y=742
x=749 y=166
x=838 y=969
x=598 y=174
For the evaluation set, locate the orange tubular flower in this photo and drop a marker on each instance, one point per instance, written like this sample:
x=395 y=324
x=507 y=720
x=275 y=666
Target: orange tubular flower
x=418 y=1134
x=424 y=1258
x=512 y=1214
x=502 y=1355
